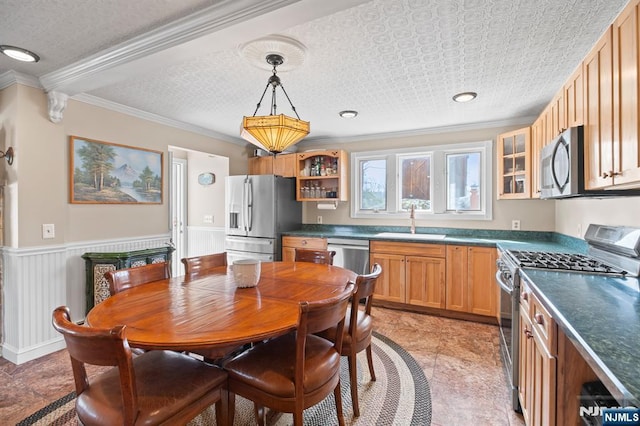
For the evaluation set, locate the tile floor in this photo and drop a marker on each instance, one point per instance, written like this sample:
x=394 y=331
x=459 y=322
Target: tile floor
x=460 y=359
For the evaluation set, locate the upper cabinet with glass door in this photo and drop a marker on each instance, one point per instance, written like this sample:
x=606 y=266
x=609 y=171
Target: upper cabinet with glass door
x=514 y=164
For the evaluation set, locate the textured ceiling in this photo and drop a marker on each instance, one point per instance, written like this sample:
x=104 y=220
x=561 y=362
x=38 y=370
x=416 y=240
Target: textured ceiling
x=397 y=62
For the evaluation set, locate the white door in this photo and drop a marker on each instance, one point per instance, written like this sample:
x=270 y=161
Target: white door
x=178 y=213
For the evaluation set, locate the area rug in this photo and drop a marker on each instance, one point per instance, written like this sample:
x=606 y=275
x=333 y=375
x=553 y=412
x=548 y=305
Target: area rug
x=399 y=396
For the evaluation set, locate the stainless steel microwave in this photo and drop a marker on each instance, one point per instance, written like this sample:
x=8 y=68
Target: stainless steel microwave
x=562 y=165
x=562 y=169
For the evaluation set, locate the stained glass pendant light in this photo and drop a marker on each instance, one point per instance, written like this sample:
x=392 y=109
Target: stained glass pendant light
x=274 y=132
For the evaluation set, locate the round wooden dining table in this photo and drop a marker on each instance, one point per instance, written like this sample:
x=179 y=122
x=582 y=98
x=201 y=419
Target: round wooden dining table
x=209 y=315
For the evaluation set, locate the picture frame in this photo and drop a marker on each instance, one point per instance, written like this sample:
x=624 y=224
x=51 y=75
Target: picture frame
x=109 y=173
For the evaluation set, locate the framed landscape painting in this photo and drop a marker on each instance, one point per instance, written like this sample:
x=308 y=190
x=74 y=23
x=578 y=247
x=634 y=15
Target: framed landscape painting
x=108 y=173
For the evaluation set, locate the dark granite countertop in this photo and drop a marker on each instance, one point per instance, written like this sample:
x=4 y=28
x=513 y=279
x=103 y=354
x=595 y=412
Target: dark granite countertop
x=532 y=240
x=601 y=315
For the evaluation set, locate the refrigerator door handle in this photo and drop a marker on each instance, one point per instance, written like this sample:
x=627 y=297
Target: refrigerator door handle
x=250 y=205
x=244 y=204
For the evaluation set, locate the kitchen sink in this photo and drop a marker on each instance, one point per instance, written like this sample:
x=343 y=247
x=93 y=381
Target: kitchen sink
x=409 y=236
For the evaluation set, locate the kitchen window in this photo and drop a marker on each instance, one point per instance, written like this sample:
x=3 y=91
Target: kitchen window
x=441 y=182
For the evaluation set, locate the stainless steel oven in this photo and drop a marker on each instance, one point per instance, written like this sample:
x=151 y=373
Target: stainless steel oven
x=508 y=281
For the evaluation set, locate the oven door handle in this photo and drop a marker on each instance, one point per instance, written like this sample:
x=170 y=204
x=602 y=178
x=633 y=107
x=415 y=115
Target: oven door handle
x=504 y=286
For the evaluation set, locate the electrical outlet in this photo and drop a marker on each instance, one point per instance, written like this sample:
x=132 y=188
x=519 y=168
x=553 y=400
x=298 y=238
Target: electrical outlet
x=515 y=225
x=48 y=231
x=319 y=220
x=208 y=218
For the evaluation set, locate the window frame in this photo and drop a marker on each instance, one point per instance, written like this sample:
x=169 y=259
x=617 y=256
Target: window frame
x=438 y=182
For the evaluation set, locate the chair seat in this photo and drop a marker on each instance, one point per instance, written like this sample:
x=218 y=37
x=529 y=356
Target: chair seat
x=182 y=379
x=364 y=329
x=280 y=354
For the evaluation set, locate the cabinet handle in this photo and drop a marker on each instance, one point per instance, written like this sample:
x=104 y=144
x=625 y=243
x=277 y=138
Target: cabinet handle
x=525 y=296
x=611 y=173
x=304 y=242
x=539 y=319
x=528 y=333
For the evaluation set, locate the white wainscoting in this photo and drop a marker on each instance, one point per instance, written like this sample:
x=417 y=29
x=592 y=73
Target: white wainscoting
x=37 y=280
x=203 y=240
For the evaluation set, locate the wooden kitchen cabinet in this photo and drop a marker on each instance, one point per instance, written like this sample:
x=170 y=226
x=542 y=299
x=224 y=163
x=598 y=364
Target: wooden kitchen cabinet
x=625 y=167
x=537 y=362
x=470 y=279
x=290 y=244
x=514 y=164
x=537 y=143
x=412 y=273
x=481 y=265
x=322 y=176
x=261 y=165
x=280 y=165
x=284 y=165
x=558 y=115
x=525 y=372
x=598 y=135
x=425 y=281
x=574 y=98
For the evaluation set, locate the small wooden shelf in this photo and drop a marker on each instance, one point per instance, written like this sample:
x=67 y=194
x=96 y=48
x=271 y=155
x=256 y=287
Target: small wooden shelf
x=324 y=172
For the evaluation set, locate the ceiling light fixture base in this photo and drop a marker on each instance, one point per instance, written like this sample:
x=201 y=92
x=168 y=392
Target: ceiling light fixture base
x=465 y=97
x=283 y=46
x=19 y=54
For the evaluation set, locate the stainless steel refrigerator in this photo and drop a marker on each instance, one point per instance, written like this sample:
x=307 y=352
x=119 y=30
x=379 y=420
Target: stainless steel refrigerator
x=258 y=209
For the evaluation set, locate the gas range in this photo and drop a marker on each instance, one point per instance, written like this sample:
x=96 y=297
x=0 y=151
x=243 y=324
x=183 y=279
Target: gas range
x=612 y=251
x=564 y=262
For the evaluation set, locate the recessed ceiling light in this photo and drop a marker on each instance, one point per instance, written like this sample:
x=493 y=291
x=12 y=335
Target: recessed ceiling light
x=465 y=96
x=19 y=53
x=348 y=114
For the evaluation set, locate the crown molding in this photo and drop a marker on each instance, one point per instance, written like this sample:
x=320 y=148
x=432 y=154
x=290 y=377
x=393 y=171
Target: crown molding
x=134 y=112
x=12 y=77
x=206 y=21
x=516 y=121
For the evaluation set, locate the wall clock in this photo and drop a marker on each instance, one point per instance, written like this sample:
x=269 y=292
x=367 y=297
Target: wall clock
x=206 y=178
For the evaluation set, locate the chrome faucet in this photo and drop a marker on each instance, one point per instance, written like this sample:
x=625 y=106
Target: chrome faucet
x=412 y=218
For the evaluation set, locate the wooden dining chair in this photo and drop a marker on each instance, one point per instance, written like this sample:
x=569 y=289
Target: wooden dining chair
x=202 y=265
x=315 y=256
x=357 y=333
x=296 y=371
x=123 y=279
x=157 y=387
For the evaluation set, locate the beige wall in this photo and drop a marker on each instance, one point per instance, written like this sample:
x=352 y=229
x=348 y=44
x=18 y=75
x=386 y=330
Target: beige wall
x=8 y=178
x=209 y=199
x=534 y=215
x=42 y=170
x=573 y=216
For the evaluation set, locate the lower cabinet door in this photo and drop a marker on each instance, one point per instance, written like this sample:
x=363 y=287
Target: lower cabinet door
x=543 y=409
x=482 y=263
x=426 y=281
x=391 y=283
x=525 y=385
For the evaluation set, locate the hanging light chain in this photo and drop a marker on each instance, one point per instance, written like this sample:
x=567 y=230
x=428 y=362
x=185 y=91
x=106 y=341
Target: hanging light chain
x=274 y=81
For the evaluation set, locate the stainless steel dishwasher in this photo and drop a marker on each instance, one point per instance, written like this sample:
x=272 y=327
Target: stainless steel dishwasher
x=352 y=254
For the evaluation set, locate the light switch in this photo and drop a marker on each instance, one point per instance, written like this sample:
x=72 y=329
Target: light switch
x=48 y=231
